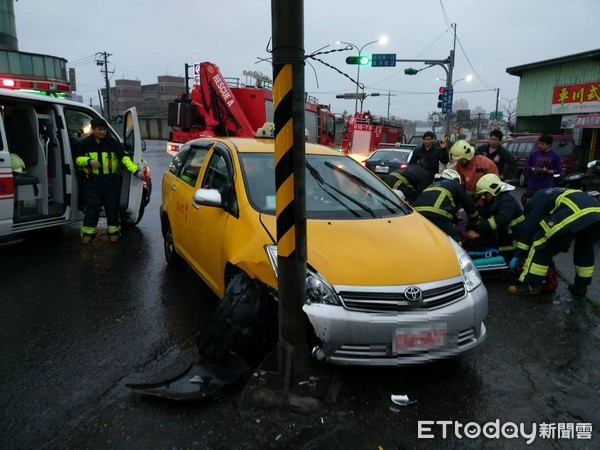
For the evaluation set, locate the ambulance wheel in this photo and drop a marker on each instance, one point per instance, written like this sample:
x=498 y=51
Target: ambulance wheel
x=173 y=259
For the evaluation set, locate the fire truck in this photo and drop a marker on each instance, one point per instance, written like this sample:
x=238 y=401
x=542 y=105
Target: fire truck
x=364 y=132
x=217 y=106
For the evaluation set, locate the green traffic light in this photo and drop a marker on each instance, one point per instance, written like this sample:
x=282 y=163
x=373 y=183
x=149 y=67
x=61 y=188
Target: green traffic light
x=358 y=60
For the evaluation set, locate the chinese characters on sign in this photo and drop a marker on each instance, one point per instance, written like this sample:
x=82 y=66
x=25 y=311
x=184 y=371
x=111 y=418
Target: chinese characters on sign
x=576 y=98
x=587 y=121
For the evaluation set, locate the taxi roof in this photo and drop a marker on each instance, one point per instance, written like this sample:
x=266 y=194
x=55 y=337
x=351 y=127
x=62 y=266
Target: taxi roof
x=265 y=145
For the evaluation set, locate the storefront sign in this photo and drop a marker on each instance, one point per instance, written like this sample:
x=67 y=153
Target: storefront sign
x=576 y=98
x=587 y=121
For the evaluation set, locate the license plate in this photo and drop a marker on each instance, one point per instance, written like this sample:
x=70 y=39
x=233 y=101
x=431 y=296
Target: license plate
x=419 y=338
x=382 y=169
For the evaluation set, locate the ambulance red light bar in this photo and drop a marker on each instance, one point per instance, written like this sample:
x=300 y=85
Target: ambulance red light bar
x=41 y=86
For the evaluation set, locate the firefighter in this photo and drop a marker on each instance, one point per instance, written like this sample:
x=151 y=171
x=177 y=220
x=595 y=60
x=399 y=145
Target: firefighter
x=441 y=201
x=501 y=216
x=470 y=166
x=555 y=217
x=100 y=156
x=410 y=180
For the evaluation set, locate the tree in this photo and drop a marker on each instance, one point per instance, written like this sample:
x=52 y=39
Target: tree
x=435 y=119
x=509 y=108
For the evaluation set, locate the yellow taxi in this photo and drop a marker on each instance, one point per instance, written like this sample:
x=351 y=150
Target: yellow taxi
x=384 y=285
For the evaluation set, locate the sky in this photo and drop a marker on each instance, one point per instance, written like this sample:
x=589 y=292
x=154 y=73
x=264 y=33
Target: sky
x=157 y=37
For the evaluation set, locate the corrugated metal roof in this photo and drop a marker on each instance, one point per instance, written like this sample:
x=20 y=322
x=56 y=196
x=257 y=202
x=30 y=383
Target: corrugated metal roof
x=592 y=55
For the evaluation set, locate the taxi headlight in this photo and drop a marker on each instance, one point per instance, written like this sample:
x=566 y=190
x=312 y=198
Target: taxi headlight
x=318 y=290
x=469 y=271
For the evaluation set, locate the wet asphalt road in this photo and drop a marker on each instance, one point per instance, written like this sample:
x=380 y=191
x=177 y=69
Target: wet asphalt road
x=78 y=323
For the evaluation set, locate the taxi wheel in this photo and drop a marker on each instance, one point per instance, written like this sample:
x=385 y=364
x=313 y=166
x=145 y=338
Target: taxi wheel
x=171 y=255
x=242 y=323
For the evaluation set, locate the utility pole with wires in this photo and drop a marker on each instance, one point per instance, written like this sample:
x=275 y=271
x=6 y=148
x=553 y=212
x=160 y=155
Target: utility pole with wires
x=102 y=61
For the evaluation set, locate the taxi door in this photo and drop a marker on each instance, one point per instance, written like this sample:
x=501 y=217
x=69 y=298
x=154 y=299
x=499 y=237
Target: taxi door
x=208 y=224
x=7 y=187
x=132 y=188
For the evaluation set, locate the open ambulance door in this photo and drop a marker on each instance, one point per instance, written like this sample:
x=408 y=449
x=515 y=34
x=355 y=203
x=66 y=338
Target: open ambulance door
x=7 y=187
x=132 y=187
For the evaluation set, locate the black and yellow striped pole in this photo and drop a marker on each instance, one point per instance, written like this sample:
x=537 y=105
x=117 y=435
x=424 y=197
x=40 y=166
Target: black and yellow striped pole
x=288 y=92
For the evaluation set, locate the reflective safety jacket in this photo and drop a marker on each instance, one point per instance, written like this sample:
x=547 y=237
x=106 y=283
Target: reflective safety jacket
x=501 y=219
x=444 y=198
x=411 y=180
x=471 y=172
x=108 y=152
x=554 y=210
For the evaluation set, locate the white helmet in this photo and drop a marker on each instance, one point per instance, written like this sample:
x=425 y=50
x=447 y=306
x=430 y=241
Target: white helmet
x=451 y=174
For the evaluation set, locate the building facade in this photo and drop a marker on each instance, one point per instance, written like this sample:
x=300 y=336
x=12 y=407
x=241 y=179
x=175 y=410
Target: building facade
x=562 y=95
x=150 y=100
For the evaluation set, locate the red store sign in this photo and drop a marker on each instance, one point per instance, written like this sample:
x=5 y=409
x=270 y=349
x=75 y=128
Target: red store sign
x=576 y=98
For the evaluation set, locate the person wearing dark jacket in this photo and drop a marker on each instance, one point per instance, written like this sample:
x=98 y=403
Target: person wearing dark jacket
x=505 y=161
x=100 y=157
x=410 y=180
x=500 y=216
x=430 y=155
x=555 y=217
x=441 y=202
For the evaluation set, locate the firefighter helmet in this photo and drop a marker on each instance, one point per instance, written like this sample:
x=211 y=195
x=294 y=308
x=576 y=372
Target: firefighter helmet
x=489 y=183
x=451 y=174
x=462 y=149
x=17 y=164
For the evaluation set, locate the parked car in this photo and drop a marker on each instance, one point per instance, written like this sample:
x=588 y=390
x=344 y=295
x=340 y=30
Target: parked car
x=563 y=144
x=384 y=161
x=372 y=295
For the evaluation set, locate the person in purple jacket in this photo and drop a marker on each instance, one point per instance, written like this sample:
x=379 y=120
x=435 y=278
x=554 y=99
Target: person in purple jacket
x=541 y=166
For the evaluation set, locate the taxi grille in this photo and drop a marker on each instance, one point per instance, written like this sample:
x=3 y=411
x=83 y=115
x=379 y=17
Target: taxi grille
x=394 y=302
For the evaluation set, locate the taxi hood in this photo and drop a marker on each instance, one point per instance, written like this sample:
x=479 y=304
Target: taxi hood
x=378 y=252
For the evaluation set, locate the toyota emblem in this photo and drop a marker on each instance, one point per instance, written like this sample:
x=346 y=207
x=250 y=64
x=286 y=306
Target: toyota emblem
x=413 y=294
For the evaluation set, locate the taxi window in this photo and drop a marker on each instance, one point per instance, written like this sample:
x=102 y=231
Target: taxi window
x=192 y=164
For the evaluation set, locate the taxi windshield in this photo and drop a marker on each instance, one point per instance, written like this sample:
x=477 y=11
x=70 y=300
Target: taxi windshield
x=337 y=187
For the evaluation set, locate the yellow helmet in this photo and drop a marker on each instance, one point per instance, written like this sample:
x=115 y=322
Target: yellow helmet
x=451 y=174
x=489 y=183
x=462 y=149
x=17 y=163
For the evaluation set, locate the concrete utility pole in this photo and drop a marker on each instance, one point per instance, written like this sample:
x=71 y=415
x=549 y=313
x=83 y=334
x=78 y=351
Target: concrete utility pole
x=102 y=61
x=288 y=87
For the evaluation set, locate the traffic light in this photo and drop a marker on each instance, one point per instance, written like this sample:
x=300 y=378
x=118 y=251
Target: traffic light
x=410 y=71
x=358 y=60
x=441 y=97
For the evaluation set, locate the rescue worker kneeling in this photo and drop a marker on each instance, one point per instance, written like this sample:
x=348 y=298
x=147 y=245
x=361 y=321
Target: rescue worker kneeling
x=99 y=155
x=501 y=217
x=442 y=200
x=410 y=180
x=553 y=218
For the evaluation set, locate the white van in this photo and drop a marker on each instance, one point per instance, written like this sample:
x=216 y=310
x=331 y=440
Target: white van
x=42 y=131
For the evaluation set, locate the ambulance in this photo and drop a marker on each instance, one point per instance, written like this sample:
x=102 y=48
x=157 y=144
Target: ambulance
x=40 y=131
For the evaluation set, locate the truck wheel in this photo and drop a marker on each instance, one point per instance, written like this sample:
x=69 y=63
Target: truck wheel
x=173 y=259
x=244 y=322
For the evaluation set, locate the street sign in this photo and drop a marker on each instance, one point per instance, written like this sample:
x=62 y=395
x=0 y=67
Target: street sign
x=497 y=116
x=447 y=101
x=383 y=60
